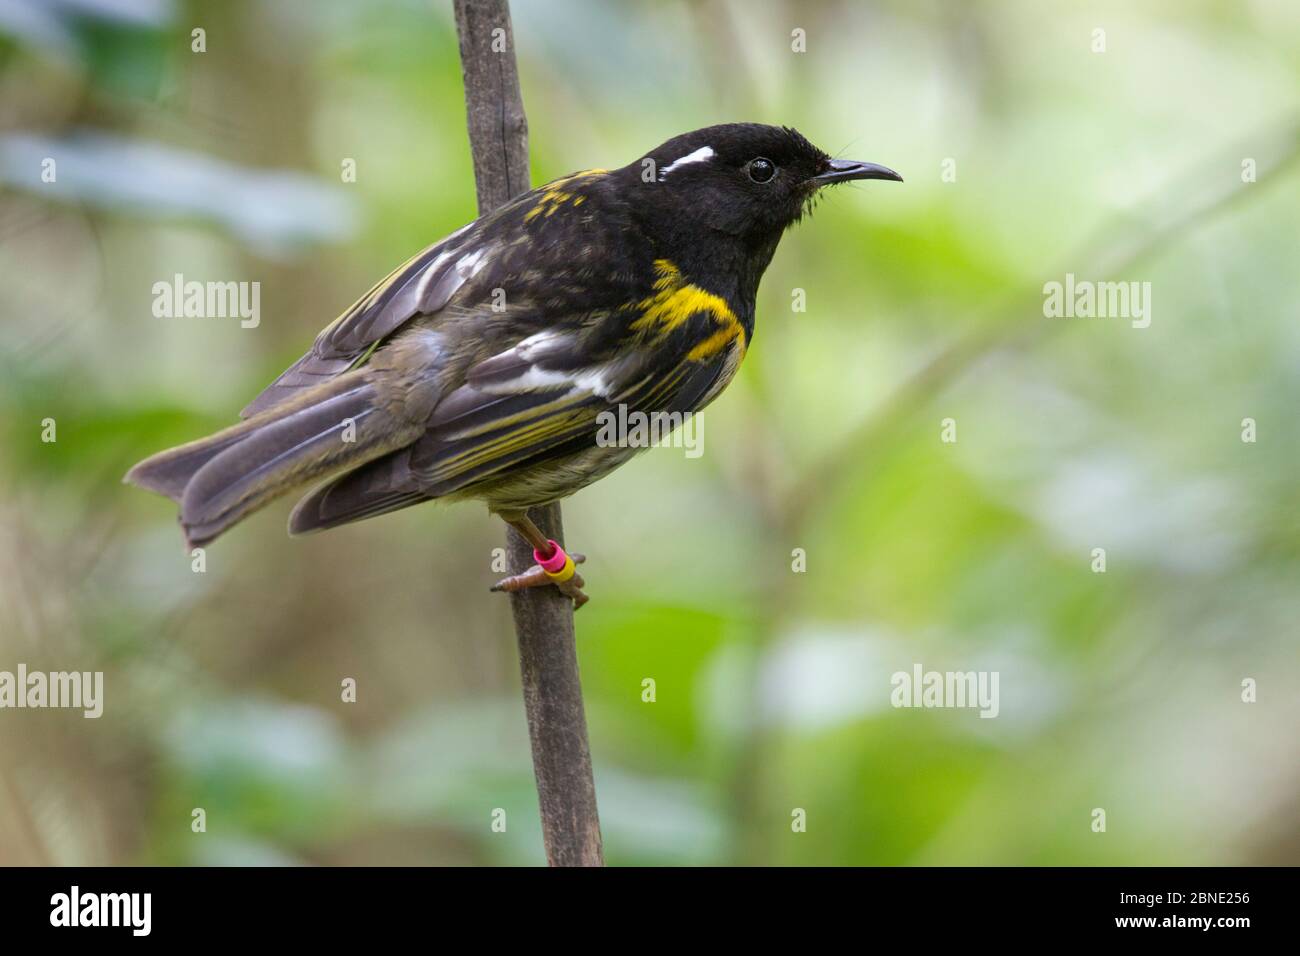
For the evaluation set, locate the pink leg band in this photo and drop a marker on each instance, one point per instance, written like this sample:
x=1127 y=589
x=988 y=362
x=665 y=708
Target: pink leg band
x=555 y=563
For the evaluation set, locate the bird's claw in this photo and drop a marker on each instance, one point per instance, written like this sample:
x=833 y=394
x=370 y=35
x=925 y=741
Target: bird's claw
x=536 y=577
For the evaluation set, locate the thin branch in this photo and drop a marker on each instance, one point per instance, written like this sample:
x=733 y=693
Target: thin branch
x=548 y=659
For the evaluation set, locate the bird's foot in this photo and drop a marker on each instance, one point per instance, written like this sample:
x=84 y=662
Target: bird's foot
x=558 y=569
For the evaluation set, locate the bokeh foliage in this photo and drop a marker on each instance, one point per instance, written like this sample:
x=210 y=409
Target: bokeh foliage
x=1119 y=690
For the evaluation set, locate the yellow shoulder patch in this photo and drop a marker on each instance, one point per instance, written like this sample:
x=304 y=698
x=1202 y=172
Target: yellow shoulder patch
x=676 y=300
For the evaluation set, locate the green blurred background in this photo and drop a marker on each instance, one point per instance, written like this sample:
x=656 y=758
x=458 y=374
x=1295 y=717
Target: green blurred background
x=1119 y=690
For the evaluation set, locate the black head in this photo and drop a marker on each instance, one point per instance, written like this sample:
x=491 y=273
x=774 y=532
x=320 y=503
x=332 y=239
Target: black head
x=743 y=180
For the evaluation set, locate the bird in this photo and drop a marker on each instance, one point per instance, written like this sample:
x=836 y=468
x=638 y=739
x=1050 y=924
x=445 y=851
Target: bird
x=483 y=366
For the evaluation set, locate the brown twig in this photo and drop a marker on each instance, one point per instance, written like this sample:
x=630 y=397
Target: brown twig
x=548 y=659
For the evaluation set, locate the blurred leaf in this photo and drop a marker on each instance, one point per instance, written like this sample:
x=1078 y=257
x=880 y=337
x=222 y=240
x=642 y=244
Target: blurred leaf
x=273 y=211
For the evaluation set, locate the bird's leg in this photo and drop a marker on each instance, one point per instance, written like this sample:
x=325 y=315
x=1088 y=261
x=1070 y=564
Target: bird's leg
x=554 y=565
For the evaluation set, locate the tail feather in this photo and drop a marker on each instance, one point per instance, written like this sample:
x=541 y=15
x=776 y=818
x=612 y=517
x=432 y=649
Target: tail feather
x=375 y=489
x=274 y=458
x=168 y=472
x=221 y=479
x=308 y=372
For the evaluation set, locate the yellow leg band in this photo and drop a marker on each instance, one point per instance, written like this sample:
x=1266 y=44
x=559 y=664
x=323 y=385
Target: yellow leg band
x=562 y=575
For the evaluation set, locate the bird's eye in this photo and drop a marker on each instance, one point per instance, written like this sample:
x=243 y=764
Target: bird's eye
x=761 y=170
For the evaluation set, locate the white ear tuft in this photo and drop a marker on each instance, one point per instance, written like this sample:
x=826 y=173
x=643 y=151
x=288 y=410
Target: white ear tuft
x=699 y=156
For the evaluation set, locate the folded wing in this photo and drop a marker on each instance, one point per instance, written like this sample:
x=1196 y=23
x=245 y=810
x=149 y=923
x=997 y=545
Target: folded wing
x=422 y=285
x=540 y=399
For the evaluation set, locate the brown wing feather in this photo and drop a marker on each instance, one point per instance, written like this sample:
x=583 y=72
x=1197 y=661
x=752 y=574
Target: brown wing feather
x=420 y=286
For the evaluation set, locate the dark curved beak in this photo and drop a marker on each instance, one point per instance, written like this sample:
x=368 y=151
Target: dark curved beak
x=844 y=170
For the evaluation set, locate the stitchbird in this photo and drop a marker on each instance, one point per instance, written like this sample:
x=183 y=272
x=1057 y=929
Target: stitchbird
x=480 y=368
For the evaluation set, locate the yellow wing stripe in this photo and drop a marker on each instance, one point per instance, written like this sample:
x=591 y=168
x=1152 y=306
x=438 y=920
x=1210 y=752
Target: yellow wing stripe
x=510 y=442
x=563 y=417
